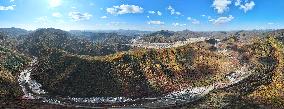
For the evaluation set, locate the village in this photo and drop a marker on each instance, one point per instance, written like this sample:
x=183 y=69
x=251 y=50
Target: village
x=141 y=44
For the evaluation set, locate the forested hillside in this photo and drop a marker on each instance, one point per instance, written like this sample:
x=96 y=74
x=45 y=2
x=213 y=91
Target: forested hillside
x=105 y=65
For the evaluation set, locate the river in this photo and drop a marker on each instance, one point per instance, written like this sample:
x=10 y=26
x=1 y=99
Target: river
x=33 y=90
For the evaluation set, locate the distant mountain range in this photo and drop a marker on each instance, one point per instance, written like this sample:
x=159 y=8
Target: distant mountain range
x=119 y=32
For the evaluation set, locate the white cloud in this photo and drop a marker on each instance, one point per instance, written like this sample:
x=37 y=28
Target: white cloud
x=175 y=24
x=159 y=13
x=156 y=22
x=5 y=8
x=92 y=4
x=54 y=3
x=247 y=6
x=112 y=10
x=170 y=8
x=57 y=14
x=178 y=13
x=77 y=16
x=221 y=5
x=104 y=17
x=270 y=23
x=189 y=18
x=221 y=20
x=193 y=21
x=178 y=24
x=151 y=12
x=12 y=0
x=209 y=17
x=148 y=16
x=125 y=9
x=203 y=15
x=238 y=2
x=173 y=11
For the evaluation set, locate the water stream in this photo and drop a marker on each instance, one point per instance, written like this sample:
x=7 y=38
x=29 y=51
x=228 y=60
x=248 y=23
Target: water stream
x=32 y=90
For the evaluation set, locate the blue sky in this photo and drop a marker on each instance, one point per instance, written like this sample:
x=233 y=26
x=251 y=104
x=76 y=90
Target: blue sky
x=196 y=15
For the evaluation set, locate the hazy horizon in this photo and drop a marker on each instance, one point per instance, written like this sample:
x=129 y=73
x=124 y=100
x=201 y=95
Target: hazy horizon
x=150 y=30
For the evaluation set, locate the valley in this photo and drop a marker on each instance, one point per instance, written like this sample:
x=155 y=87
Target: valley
x=159 y=69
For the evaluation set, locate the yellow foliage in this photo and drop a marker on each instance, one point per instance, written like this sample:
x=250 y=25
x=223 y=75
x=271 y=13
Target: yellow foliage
x=7 y=76
x=274 y=92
